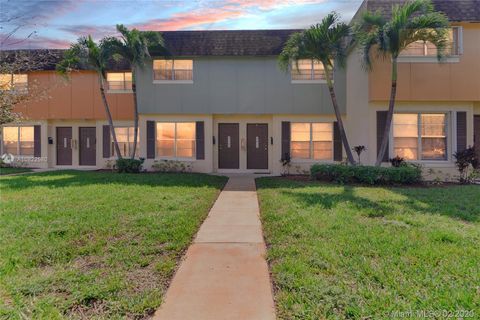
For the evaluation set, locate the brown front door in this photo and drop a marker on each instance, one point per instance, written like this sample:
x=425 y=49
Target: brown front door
x=228 y=146
x=87 y=146
x=64 y=146
x=476 y=135
x=257 y=146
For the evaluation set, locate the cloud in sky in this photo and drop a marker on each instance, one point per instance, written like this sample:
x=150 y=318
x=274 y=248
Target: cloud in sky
x=56 y=23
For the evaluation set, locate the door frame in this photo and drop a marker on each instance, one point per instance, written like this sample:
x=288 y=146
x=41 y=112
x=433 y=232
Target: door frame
x=80 y=147
x=266 y=151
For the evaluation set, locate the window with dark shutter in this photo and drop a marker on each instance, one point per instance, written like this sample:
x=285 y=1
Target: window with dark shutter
x=285 y=139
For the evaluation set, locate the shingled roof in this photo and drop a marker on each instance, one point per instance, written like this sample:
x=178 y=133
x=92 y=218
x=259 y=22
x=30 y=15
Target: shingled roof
x=456 y=10
x=226 y=42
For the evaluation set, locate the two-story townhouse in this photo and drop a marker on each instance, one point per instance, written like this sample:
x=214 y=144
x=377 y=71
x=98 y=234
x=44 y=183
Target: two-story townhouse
x=219 y=102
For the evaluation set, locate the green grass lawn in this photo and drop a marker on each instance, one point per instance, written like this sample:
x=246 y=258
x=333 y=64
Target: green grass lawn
x=349 y=252
x=95 y=245
x=8 y=170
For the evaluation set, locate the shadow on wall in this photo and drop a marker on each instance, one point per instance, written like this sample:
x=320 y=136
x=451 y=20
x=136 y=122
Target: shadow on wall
x=458 y=202
x=69 y=178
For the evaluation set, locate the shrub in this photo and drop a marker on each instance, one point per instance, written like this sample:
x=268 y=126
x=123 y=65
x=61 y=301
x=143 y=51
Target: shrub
x=127 y=165
x=463 y=160
x=398 y=162
x=407 y=174
x=358 y=150
x=171 y=166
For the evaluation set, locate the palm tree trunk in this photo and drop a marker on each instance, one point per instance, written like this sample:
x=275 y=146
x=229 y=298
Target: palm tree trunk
x=135 y=114
x=388 y=123
x=343 y=135
x=109 y=117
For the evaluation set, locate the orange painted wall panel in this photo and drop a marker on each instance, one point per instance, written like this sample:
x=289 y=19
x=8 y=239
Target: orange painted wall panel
x=456 y=81
x=82 y=95
x=52 y=96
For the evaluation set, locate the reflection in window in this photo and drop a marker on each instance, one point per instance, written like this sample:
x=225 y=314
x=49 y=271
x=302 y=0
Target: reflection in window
x=16 y=82
x=120 y=81
x=420 y=136
x=307 y=70
x=18 y=141
x=176 y=139
x=173 y=69
x=125 y=137
x=312 y=141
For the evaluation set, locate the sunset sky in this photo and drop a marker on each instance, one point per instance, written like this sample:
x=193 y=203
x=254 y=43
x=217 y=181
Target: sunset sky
x=55 y=24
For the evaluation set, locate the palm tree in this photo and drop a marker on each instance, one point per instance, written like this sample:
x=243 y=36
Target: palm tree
x=414 y=21
x=87 y=54
x=325 y=42
x=133 y=46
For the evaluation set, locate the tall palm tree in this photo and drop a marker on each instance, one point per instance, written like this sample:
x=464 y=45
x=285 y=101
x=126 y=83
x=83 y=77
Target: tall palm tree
x=326 y=43
x=87 y=54
x=134 y=45
x=415 y=20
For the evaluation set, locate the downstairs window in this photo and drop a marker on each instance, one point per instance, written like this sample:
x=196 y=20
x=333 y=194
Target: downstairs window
x=420 y=136
x=175 y=139
x=312 y=141
x=18 y=140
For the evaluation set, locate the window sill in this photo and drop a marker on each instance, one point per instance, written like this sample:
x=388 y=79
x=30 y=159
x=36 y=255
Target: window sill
x=311 y=161
x=427 y=59
x=172 y=81
x=119 y=91
x=309 y=81
x=175 y=159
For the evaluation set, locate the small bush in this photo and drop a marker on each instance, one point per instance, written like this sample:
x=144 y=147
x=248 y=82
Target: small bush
x=463 y=160
x=407 y=174
x=171 y=166
x=127 y=165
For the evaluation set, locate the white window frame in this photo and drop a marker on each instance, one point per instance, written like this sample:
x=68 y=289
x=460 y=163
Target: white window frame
x=124 y=83
x=448 y=136
x=18 y=140
x=12 y=83
x=173 y=81
x=193 y=157
x=449 y=58
x=310 y=159
x=312 y=73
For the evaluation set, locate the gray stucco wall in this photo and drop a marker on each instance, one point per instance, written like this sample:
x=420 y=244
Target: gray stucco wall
x=237 y=85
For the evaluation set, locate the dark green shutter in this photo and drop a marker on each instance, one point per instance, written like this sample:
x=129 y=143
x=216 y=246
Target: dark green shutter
x=381 y=122
x=150 y=139
x=200 y=140
x=106 y=141
x=285 y=140
x=337 y=143
x=461 y=131
x=37 y=141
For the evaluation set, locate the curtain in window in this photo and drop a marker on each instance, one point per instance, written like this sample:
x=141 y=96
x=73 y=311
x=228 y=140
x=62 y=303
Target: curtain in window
x=434 y=139
x=405 y=131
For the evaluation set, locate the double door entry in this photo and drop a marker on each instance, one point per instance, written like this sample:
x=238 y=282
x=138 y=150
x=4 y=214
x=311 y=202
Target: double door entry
x=87 y=146
x=229 y=146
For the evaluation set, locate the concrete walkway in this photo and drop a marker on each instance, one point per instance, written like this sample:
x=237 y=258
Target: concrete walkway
x=224 y=274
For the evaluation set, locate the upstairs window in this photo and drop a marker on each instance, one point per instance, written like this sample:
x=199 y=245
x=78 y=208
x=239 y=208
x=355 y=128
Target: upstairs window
x=173 y=70
x=312 y=141
x=175 y=139
x=119 y=81
x=18 y=140
x=420 y=136
x=14 y=82
x=125 y=136
x=428 y=49
x=307 y=70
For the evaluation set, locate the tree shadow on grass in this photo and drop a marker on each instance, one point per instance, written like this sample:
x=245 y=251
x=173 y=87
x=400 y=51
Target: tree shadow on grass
x=458 y=202
x=69 y=178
